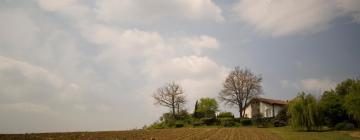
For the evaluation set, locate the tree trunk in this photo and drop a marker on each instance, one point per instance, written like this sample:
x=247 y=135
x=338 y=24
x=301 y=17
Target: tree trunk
x=173 y=112
x=173 y=106
x=240 y=110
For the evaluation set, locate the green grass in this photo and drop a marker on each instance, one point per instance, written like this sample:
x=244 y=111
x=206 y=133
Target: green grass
x=288 y=134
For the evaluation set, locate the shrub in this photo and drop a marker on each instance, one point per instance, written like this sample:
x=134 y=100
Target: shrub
x=157 y=125
x=225 y=115
x=183 y=115
x=258 y=119
x=179 y=124
x=197 y=123
x=237 y=120
x=209 y=121
x=279 y=123
x=344 y=126
x=227 y=122
x=281 y=119
x=282 y=115
x=246 y=122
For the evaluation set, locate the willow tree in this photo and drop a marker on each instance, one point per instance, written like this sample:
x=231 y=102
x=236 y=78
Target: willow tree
x=171 y=96
x=240 y=86
x=303 y=112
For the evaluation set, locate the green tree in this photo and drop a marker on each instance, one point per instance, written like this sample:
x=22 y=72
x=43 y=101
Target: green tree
x=331 y=108
x=352 y=100
x=304 y=112
x=207 y=106
x=344 y=87
x=342 y=104
x=195 y=109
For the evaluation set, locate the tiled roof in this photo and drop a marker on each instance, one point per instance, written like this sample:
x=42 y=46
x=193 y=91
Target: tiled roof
x=272 y=101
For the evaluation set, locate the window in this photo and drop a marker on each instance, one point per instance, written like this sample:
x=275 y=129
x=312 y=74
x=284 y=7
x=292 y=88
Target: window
x=268 y=113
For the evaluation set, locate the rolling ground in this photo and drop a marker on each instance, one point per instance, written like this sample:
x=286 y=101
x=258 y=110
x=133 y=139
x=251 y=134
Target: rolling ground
x=243 y=133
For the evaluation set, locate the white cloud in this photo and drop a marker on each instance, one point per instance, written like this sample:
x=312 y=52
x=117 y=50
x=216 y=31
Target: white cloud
x=127 y=43
x=15 y=24
x=199 y=76
x=140 y=10
x=318 y=84
x=197 y=43
x=284 y=83
x=286 y=17
x=71 y=8
x=55 y=5
x=29 y=71
x=104 y=68
x=183 y=67
x=103 y=108
x=81 y=108
x=25 y=107
x=351 y=7
x=21 y=82
x=148 y=58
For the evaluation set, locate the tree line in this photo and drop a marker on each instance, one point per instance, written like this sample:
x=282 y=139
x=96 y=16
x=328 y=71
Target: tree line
x=239 y=87
x=337 y=108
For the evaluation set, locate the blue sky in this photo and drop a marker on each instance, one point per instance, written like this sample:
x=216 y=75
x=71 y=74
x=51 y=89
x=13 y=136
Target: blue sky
x=77 y=65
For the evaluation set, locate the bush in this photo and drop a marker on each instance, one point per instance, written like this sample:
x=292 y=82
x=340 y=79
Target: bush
x=282 y=115
x=157 y=125
x=197 y=123
x=237 y=120
x=246 y=122
x=281 y=119
x=227 y=122
x=279 y=123
x=258 y=119
x=225 y=115
x=179 y=124
x=209 y=121
x=344 y=126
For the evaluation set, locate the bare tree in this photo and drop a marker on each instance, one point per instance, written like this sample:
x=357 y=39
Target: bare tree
x=240 y=86
x=170 y=95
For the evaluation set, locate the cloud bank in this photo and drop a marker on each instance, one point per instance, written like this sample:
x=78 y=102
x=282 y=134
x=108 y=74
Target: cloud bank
x=289 y=17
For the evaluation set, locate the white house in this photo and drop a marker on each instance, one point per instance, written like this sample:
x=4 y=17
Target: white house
x=267 y=107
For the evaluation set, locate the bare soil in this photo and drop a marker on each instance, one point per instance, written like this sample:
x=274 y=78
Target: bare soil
x=243 y=133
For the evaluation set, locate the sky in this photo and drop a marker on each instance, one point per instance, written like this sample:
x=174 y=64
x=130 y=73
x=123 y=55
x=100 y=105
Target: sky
x=80 y=65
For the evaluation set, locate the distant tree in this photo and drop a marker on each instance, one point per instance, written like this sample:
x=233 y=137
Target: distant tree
x=239 y=88
x=208 y=106
x=304 y=112
x=171 y=96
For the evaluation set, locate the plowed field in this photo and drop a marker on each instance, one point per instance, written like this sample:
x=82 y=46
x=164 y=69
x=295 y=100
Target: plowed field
x=246 y=133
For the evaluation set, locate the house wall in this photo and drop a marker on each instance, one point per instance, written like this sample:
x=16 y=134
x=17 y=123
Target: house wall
x=263 y=107
x=248 y=111
x=277 y=109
